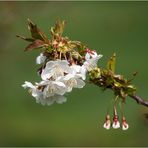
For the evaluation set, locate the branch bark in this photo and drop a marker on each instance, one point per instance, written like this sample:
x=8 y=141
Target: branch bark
x=139 y=100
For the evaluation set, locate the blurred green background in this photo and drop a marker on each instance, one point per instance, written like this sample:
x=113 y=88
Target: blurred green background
x=107 y=27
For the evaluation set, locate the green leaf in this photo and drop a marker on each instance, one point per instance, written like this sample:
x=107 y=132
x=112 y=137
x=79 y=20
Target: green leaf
x=34 y=45
x=117 y=84
x=24 y=38
x=111 y=63
x=122 y=93
x=130 y=89
x=36 y=33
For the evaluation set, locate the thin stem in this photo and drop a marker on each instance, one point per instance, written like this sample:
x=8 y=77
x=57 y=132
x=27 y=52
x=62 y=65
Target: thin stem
x=60 y=55
x=115 y=111
x=139 y=100
x=115 y=103
x=65 y=56
x=109 y=105
x=116 y=100
x=122 y=109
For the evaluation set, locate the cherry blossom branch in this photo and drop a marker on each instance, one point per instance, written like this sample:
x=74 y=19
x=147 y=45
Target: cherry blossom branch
x=139 y=100
x=66 y=65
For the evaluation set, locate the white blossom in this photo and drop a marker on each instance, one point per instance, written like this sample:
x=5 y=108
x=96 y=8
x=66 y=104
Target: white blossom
x=92 y=54
x=28 y=84
x=91 y=60
x=32 y=89
x=72 y=81
x=55 y=69
x=53 y=91
x=90 y=64
x=40 y=59
x=79 y=71
x=53 y=87
x=83 y=72
x=59 y=77
x=50 y=100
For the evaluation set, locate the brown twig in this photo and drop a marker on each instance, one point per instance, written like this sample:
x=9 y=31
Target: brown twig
x=139 y=100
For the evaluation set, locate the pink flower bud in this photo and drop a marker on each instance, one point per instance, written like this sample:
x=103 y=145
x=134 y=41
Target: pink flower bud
x=125 y=126
x=107 y=123
x=116 y=123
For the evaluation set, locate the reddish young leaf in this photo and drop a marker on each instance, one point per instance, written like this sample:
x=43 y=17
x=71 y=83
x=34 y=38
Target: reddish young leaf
x=24 y=38
x=34 y=45
x=36 y=33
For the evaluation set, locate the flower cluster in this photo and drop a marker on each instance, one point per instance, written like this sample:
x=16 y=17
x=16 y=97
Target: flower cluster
x=60 y=76
x=115 y=123
x=65 y=64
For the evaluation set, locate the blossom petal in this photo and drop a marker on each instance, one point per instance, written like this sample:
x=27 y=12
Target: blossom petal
x=50 y=64
x=27 y=84
x=55 y=69
x=75 y=68
x=83 y=72
x=46 y=74
x=80 y=83
x=87 y=56
x=40 y=59
x=60 y=99
x=68 y=77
